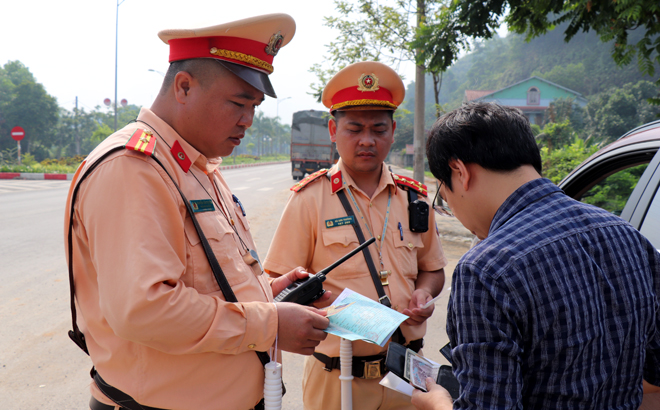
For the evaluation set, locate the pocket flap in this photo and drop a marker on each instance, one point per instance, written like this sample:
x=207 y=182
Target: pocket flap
x=344 y=235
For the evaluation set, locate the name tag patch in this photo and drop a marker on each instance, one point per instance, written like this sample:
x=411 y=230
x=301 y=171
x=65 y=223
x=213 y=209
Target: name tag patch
x=347 y=220
x=202 y=205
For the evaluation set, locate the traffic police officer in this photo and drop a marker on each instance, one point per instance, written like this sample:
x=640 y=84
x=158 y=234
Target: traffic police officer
x=321 y=223
x=153 y=313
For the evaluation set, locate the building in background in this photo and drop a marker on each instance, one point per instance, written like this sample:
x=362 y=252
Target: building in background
x=533 y=96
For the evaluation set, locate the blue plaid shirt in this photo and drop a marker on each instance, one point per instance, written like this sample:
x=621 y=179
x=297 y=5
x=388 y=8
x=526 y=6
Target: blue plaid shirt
x=556 y=309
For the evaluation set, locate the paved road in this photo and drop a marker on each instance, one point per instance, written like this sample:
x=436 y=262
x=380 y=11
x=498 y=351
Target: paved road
x=40 y=368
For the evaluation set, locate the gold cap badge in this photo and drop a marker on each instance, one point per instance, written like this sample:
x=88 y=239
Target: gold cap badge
x=368 y=82
x=274 y=44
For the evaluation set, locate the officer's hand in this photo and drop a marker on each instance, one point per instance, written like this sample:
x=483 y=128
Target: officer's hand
x=437 y=398
x=281 y=283
x=300 y=328
x=416 y=314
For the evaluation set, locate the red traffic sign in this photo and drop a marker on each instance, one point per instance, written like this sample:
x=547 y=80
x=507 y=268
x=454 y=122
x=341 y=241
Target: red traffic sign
x=17 y=133
x=107 y=102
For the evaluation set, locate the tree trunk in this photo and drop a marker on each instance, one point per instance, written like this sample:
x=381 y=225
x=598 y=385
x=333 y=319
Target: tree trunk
x=418 y=130
x=437 y=86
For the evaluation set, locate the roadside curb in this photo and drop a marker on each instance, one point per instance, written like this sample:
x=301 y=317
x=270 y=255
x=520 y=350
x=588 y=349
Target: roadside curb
x=69 y=177
x=35 y=175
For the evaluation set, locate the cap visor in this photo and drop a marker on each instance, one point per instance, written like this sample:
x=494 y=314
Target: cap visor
x=255 y=78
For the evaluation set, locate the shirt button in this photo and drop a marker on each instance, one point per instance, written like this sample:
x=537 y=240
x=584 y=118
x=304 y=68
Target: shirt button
x=251 y=346
x=378 y=237
x=370 y=204
x=410 y=245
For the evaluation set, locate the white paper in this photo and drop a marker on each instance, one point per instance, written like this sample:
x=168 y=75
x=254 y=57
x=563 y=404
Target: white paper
x=394 y=382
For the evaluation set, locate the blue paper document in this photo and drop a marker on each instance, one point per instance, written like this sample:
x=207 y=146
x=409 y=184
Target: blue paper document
x=356 y=317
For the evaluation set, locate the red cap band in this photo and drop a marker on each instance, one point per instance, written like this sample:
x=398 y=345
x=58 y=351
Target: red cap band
x=200 y=47
x=352 y=94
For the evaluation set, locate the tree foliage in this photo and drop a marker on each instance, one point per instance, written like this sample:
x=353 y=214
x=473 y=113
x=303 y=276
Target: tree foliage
x=25 y=103
x=612 y=21
x=559 y=162
x=618 y=110
x=367 y=31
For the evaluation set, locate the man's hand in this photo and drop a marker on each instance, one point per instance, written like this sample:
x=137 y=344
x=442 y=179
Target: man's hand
x=416 y=314
x=281 y=283
x=300 y=328
x=437 y=398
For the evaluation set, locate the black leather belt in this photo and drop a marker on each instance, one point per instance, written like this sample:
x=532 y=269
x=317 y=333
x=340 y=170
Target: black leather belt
x=97 y=405
x=365 y=367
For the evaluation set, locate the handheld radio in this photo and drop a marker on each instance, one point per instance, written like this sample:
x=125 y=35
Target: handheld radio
x=306 y=291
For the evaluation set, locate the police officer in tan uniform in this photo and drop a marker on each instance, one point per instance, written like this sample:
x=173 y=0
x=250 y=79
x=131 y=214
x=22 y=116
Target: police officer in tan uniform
x=320 y=222
x=154 y=311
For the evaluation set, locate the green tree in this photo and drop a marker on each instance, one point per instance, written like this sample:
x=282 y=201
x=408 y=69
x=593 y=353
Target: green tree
x=383 y=31
x=611 y=20
x=559 y=162
x=570 y=76
x=614 y=112
x=566 y=109
x=36 y=111
x=556 y=135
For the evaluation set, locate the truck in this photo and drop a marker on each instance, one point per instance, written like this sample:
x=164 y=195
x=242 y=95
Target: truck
x=311 y=148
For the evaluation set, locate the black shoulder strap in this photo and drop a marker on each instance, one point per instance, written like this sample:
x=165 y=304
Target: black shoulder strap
x=382 y=297
x=77 y=336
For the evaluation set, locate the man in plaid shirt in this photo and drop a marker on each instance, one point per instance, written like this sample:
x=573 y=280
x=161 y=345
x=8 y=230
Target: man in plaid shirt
x=557 y=306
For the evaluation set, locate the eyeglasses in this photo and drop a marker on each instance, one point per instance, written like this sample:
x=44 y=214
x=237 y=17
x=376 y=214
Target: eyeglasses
x=442 y=210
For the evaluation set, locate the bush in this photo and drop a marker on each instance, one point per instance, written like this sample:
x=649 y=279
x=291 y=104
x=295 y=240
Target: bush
x=559 y=162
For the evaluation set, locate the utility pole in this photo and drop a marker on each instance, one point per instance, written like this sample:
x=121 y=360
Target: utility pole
x=116 y=48
x=76 y=127
x=418 y=127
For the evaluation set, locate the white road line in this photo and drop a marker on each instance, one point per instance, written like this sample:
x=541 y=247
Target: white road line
x=253 y=179
x=17 y=188
x=265 y=189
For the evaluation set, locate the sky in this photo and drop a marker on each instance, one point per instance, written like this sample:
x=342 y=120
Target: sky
x=69 y=46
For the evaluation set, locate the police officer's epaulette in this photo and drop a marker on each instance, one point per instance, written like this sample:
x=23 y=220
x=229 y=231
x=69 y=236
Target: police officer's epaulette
x=309 y=178
x=409 y=183
x=142 y=141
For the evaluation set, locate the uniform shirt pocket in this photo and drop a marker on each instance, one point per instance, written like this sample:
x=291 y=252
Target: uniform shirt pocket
x=339 y=241
x=406 y=251
x=225 y=248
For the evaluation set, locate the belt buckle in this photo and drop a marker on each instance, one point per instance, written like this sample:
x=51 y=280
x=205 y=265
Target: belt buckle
x=372 y=369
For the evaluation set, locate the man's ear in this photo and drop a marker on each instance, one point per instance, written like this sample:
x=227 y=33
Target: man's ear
x=332 y=129
x=461 y=172
x=181 y=84
x=393 y=129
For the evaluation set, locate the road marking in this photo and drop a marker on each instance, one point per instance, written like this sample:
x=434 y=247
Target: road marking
x=8 y=186
x=253 y=179
x=265 y=189
x=240 y=188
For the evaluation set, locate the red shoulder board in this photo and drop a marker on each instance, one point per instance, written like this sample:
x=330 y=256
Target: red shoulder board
x=405 y=183
x=142 y=141
x=309 y=178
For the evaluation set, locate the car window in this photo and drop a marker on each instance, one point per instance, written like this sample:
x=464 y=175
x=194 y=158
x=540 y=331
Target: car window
x=651 y=224
x=613 y=192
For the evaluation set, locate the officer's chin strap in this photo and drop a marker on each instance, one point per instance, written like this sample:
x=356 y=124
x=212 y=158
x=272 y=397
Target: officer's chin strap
x=273 y=380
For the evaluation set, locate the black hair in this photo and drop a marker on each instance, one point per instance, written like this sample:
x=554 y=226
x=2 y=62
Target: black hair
x=496 y=137
x=203 y=69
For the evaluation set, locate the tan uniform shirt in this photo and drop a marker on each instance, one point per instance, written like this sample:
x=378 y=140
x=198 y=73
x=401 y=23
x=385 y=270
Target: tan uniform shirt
x=156 y=323
x=302 y=239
